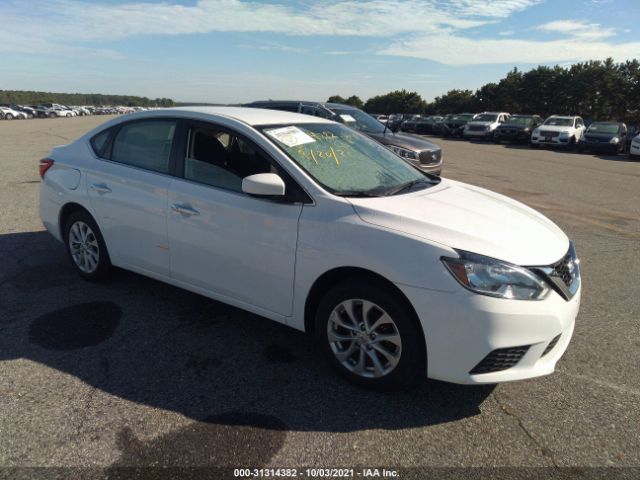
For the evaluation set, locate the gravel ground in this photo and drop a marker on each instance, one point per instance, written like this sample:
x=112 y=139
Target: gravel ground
x=136 y=373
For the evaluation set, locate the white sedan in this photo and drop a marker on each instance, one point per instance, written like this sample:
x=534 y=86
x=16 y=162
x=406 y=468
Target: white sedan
x=397 y=273
x=9 y=114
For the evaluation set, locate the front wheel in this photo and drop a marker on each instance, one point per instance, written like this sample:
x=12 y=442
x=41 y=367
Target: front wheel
x=371 y=336
x=86 y=248
x=8 y=116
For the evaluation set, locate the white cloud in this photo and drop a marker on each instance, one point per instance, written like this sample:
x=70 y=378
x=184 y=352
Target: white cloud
x=491 y=8
x=428 y=29
x=457 y=50
x=578 y=29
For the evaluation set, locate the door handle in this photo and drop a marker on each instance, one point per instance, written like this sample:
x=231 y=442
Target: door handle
x=101 y=188
x=186 y=210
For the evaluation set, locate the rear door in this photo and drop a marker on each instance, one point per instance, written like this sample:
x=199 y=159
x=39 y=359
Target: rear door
x=128 y=190
x=238 y=247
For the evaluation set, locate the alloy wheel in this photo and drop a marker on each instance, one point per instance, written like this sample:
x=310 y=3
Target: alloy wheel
x=83 y=246
x=364 y=338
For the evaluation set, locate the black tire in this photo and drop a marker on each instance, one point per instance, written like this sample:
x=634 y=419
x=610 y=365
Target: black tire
x=8 y=116
x=411 y=366
x=52 y=115
x=534 y=145
x=103 y=269
x=572 y=144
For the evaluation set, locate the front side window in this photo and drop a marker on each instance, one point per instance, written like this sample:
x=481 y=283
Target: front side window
x=343 y=161
x=218 y=158
x=145 y=144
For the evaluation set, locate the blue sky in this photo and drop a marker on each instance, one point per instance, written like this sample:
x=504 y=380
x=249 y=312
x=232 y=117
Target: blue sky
x=241 y=50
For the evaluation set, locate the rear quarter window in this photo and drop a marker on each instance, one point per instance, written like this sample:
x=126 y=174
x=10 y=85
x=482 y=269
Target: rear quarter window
x=99 y=142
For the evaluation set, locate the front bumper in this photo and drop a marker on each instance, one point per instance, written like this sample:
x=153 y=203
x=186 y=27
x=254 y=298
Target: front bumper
x=462 y=329
x=634 y=150
x=551 y=141
x=477 y=133
x=520 y=136
x=599 y=146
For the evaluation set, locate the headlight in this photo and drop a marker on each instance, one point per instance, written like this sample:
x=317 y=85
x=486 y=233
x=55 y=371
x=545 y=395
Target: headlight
x=526 y=130
x=495 y=278
x=404 y=153
x=536 y=132
x=614 y=140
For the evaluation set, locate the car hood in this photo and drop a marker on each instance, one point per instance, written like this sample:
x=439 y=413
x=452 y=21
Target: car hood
x=482 y=124
x=513 y=126
x=404 y=140
x=600 y=136
x=555 y=128
x=469 y=218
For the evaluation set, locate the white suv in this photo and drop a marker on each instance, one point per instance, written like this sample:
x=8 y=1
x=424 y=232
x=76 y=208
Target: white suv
x=484 y=124
x=558 y=130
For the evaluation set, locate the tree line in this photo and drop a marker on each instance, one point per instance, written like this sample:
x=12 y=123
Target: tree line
x=20 y=97
x=596 y=90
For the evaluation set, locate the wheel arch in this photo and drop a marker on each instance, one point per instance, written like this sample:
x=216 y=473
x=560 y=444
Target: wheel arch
x=336 y=275
x=66 y=211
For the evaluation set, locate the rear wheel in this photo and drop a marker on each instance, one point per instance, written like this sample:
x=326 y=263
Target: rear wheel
x=52 y=115
x=370 y=336
x=86 y=248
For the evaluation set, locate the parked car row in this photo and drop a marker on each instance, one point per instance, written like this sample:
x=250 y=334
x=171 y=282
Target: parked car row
x=416 y=150
x=10 y=111
x=565 y=131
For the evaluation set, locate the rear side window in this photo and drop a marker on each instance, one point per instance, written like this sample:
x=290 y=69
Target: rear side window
x=99 y=143
x=145 y=145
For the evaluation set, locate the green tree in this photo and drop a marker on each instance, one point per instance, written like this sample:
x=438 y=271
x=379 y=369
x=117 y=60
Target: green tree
x=399 y=101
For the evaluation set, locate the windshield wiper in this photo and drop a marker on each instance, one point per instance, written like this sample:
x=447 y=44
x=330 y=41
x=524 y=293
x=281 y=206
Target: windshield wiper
x=407 y=186
x=356 y=193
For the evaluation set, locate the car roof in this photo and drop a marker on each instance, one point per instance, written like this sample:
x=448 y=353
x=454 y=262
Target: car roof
x=250 y=116
x=265 y=103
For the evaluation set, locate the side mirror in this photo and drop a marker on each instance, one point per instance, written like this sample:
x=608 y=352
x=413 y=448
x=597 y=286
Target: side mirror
x=263 y=185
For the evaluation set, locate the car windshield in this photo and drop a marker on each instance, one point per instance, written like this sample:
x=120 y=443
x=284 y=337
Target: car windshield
x=465 y=118
x=345 y=162
x=559 y=122
x=604 y=128
x=359 y=120
x=486 y=117
x=519 y=121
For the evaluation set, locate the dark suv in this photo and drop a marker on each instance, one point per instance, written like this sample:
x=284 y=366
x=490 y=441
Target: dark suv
x=517 y=129
x=417 y=151
x=453 y=124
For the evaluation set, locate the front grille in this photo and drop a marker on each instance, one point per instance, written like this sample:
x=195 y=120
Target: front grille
x=596 y=139
x=476 y=128
x=547 y=133
x=500 y=359
x=563 y=270
x=429 y=157
x=552 y=344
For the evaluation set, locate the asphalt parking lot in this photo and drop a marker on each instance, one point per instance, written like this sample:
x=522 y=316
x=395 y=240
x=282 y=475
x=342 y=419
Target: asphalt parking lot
x=138 y=373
